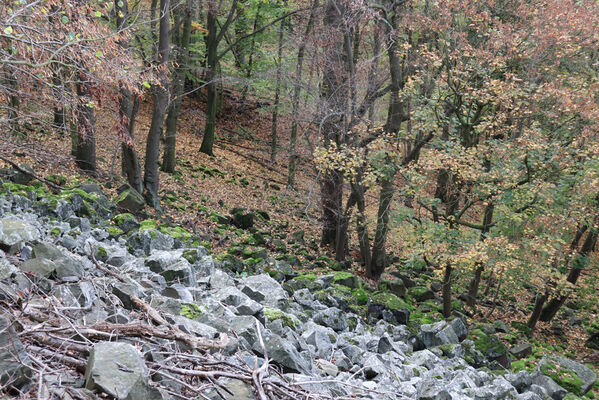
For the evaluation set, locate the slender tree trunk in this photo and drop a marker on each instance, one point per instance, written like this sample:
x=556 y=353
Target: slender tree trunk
x=379 y=256
x=275 y=111
x=85 y=157
x=446 y=292
x=128 y=108
x=296 y=95
x=211 y=98
x=362 y=228
x=536 y=312
x=333 y=112
x=151 y=177
x=168 y=161
x=577 y=264
x=248 y=67
x=475 y=283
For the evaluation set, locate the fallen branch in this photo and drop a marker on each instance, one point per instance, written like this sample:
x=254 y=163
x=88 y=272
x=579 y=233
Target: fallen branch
x=31 y=174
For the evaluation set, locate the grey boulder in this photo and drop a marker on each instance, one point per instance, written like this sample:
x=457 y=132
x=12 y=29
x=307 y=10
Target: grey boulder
x=14 y=361
x=118 y=369
x=14 y=233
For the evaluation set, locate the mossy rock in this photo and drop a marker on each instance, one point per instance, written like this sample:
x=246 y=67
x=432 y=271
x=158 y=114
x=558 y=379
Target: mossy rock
x=491 y=347
x=176 y=233
x=390 y=301
x=288 y=320
x=190 y=310
x=148 y=224
x=421 y=293
x=57 y=179
x=347 y=279
x=114 y=231
x=571 y=375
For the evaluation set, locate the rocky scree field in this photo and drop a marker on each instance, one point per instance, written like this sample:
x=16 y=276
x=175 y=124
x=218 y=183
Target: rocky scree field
x=96 y=304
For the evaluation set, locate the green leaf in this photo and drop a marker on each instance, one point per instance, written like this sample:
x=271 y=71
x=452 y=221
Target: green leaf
x=99 y=53
x=146 y=84
x=120 y=4
x=64 y=19
x=8 y=30
x=98 y=14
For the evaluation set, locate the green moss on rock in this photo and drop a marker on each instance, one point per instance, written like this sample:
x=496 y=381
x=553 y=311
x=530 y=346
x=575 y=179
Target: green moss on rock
x=114 y=231
x=564 y=377
x=190 y=310
x=148 y=224
x=288 y=320
x=389 y=300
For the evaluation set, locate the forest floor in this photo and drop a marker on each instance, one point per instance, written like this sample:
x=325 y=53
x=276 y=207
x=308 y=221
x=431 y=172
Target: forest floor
x=241 y=175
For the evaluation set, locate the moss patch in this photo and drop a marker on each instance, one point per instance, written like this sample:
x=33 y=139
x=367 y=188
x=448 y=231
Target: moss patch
x=190 y=310
x=390 y=301
x=287 y=320
x=148 y=224
x=562 y=376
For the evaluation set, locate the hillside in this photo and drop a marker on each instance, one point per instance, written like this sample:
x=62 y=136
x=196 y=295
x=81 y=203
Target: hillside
x=205 y=191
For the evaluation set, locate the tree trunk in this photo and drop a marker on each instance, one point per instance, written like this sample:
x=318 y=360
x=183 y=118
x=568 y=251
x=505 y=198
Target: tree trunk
x=379 y=256
x=475 y=283
x=248 y=67
x=85 y=156
x=446 y=292
x=296 y=95
x=536 y=312
x=333 y=112
x=151 y=176
x=332 y=194
x=275 y=111
x=128 y=108
x=169 y=157
x=211 y=98
x=577 y=264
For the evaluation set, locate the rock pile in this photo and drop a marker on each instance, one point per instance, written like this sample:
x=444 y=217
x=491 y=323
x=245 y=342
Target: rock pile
x=85 y=313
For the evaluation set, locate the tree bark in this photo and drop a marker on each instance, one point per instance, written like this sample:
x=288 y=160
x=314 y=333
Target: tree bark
x=577 y=264
x=169 y=157
x=475 y=283
x=275 y=111
x=536 y=312
x=211 y=94
x=379 y=254
x=85 y=156
x=446 y=292
x=333 y=121
x=296 y=95
x=151 y=176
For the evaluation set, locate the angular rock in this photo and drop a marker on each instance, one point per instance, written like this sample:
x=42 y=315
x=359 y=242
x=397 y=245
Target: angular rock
x=552 y=389
x=459 y=327
x=119 y=370
x=327 y=367
x=14 y=362
x=14 y=233
x=178 y=291
x=39 y=266
x=284 y=353
x=265 y=290
x=236 y=390
x=332 y=317
x=432 y=389
x=395 y=286
x=323 y=339
x=569 y=374
x=437 y=334
x=220 y=279
x=521 y=350
x=131 y=200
